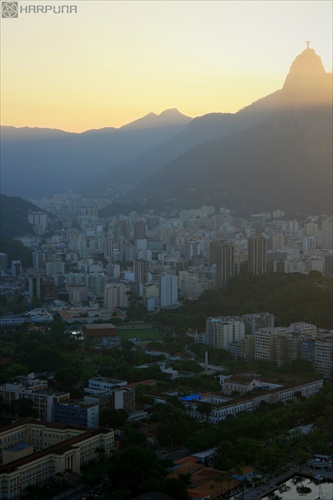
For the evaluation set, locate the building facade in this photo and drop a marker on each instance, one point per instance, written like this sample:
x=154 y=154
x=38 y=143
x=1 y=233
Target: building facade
x=56 y=449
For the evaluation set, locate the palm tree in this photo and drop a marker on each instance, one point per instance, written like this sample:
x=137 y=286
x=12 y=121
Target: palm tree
x=219 y=480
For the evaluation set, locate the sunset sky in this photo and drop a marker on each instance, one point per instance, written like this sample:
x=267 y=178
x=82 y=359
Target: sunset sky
x=115 y=61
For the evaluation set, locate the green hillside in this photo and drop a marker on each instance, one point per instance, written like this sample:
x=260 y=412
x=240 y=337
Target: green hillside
x=14 y=216
x=290 y=297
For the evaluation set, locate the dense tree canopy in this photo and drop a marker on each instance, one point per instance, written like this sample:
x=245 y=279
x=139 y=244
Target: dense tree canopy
x=290 y=297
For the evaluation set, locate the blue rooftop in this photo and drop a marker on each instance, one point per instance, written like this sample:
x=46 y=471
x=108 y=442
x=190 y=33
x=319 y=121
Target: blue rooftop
x=191 y=397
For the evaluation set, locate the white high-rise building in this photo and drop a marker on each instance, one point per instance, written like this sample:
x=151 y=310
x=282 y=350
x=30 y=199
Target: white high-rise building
x=221 y=331
x=115 y=295
x=309 y=243
x=168 y=290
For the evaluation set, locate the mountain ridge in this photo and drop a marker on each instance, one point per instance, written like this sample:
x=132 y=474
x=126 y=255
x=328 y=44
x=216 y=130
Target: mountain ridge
x=284 y=162
x=37 y=161
x=217 y=158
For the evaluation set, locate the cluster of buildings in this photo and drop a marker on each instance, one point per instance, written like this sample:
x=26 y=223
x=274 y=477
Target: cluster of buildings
x=254 y=337
x=248 y=394
x=83 y=258
x=239 y=393
x=57 y=407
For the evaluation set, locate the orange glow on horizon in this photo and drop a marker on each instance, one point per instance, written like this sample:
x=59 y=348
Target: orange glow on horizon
x=114 y=62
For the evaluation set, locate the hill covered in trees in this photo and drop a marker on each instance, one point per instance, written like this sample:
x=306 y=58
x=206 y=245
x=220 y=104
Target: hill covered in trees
x=14 y=216
x=290 y=297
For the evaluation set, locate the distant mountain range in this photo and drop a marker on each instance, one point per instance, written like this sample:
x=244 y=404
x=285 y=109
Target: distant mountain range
x=37 y=162
x=275 y=153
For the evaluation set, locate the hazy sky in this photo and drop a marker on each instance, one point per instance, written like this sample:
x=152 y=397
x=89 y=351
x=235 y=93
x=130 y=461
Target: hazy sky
x=115 y=61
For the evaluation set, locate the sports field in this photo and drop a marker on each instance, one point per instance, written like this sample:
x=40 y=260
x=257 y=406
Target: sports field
x=146 y=334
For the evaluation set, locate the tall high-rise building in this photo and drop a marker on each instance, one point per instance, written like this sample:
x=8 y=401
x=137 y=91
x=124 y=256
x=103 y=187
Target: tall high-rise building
x=221 y=331
x=257 y=247
x=48 y=288
x=35 y=286
x=257 y=222
x=140 y=230
x=115 y=295
x=266 y=343
x=97 y=283
x=140 y=273
x=39 y=220
x=38 y=260
x=108 y=248
x=121 y=230
x=168 y=290
x=277 y=241
x=221 y=253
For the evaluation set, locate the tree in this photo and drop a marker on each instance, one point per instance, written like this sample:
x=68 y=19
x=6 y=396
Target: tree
x=22 y=408
x=204 y=408
x=12 y=371
x=114 y=418
x=130 y=468
x=185 y=477
x=176 y=488
x=133 y=437
x=302 y=457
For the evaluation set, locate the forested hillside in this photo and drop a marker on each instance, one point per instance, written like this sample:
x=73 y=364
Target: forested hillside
x=290 y=297
x=14 y=216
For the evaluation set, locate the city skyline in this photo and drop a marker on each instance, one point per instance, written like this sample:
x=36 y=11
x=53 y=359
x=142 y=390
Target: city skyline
x=113 y=62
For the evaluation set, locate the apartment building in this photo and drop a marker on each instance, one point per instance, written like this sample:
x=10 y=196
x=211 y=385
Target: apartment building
x=266 y=341
x=257 y=320
x=192 y=287
x=323 y=356
x=42 y=399
x=115 y=295
x=222 y=331
x=299 y=341
x=168 y=290
x=82 y=413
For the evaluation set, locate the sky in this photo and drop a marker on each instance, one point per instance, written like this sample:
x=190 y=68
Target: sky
x=112 y=62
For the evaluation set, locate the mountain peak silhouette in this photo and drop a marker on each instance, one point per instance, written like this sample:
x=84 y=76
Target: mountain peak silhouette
x=307 y=82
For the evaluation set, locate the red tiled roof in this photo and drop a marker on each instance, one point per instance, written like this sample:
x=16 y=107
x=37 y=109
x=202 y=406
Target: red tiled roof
x=190 y=459
x=149 y=381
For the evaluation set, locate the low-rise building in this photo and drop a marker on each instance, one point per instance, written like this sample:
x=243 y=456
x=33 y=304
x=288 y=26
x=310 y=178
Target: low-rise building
x=221 y=407
x=104 y=384
x=42 y=399
x=83 y=413
x=100 y=330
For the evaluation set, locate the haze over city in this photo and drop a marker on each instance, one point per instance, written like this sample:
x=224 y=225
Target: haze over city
x=113 y=62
